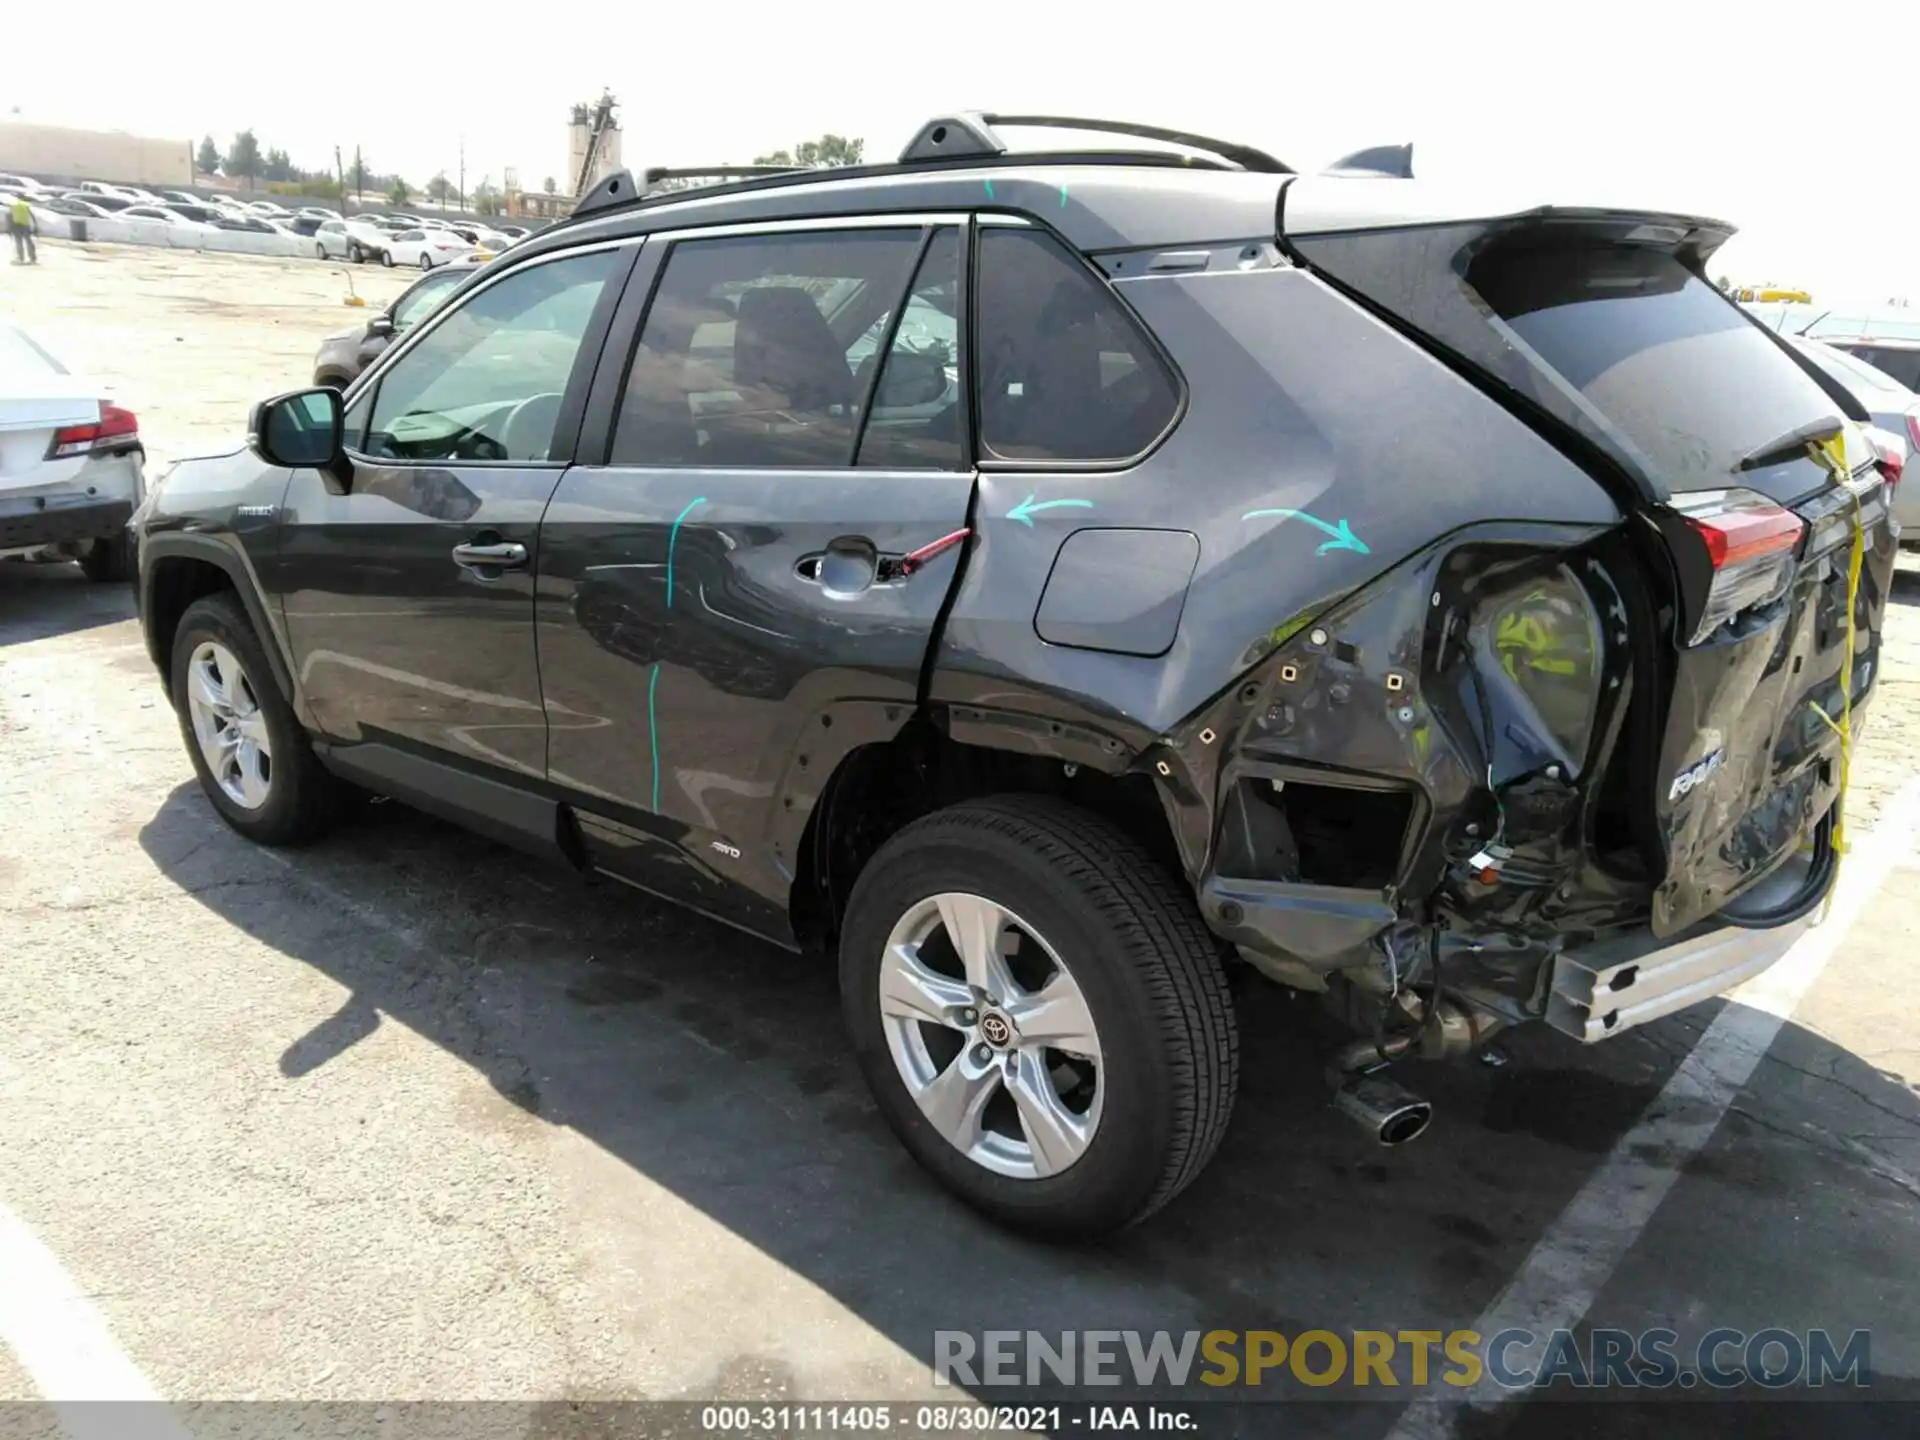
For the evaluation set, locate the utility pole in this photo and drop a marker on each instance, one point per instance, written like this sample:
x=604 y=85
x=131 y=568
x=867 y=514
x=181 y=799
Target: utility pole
x=461 y=197
x=340 y=174
x=359 y=178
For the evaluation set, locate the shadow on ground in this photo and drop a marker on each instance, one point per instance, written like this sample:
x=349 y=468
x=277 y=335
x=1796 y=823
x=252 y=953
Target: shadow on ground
x=39 y=601
x=713 y=1064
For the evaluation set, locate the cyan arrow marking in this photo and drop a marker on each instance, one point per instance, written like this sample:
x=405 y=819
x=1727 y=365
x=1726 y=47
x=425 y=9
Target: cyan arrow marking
x=1343 y=537
x=1026 y=509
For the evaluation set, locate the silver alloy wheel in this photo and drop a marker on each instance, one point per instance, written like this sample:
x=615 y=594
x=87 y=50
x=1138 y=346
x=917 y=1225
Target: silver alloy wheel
x=1013 y=1076
x=229 y=725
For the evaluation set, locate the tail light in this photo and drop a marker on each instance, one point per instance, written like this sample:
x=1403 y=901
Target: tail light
x=116 y=429
x=1748 y=544
x=1913 y=430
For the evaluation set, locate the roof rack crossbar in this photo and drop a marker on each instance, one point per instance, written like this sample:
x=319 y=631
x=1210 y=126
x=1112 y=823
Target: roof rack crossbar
x=971 y=136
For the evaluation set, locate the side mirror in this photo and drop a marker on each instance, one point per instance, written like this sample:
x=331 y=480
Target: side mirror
x=302 y=431
x=380 y=326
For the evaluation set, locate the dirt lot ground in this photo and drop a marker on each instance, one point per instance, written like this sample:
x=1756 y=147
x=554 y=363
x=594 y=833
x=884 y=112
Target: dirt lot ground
x=401 y=1117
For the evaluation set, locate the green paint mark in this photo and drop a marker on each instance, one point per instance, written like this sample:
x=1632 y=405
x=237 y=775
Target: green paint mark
x=989 y=189
x=1287 y=629
x=1063 y=197
x=653 y=735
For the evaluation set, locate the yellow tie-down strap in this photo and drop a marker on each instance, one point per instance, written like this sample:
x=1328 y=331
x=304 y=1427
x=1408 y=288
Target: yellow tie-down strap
x=1833 y=455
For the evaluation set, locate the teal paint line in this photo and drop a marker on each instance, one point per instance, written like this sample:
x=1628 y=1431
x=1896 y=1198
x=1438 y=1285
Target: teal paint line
x=673 y=538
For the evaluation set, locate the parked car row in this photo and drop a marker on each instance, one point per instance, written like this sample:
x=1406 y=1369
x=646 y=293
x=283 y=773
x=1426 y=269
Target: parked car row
x=415 y=240
x=405 y=239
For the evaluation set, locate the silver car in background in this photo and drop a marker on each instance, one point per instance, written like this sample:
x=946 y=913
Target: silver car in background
x=1893 y=407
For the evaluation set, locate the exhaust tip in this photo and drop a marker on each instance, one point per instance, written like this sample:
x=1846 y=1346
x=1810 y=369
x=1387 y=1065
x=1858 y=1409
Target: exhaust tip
x=1406 y=1124
x=1390 y=1113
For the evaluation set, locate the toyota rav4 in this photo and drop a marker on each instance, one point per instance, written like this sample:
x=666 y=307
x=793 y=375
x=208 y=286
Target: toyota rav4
x=1051 y=580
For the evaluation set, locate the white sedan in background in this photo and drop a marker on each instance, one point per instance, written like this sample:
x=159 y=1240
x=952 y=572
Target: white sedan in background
x=163 y=215
x=71 y=464
x=427 y=248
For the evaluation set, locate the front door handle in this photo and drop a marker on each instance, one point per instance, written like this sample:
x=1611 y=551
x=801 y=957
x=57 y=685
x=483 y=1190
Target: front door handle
x=504 y=555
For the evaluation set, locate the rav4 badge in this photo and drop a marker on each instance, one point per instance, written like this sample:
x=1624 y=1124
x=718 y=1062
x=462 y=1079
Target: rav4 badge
x=1694 y=775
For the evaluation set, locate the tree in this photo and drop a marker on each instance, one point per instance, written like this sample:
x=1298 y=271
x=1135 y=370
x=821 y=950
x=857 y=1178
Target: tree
x=357 y=172
x=439 y=188
x=549 y=186
x=208 y=160
x=486 y=199
x=826 y=153
x=398 y=194
x=279 y=166
x=243 y=157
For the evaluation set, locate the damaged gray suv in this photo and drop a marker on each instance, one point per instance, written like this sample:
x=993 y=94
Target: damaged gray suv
x=1052 y=581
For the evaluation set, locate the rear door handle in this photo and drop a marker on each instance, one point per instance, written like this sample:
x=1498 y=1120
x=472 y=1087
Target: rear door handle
x=506 y=555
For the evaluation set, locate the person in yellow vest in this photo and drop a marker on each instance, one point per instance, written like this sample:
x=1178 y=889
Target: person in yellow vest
x=20 y=223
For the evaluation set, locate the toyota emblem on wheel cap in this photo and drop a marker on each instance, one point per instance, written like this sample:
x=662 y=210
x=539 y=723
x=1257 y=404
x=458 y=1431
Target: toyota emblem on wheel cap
x=997 y=1029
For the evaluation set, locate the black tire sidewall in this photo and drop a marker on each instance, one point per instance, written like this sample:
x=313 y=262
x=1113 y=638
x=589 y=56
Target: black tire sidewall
x=1112 y=1181
x=285 y=818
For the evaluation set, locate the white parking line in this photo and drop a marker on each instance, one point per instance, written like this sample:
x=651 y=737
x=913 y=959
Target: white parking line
x=64 y=1345
x=1577 y=1254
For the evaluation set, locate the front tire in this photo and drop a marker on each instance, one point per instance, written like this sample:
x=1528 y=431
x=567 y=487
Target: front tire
x=386 y=258
x=1040 y=1012
x=253 y=759
x=320 y=249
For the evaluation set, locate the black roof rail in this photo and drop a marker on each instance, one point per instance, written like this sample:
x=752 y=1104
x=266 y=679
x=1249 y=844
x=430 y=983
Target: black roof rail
x=970 y=136
x=620 y=188
x=620 y=191
x=653 y=175
x=1394 y=162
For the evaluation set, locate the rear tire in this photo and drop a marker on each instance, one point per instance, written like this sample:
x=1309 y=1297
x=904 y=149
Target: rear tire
x=354 y=253
x=1145 y=972
x=320 y=249
x=109 y=561
x=301 y=798
x=426 y=261
x=386 y=258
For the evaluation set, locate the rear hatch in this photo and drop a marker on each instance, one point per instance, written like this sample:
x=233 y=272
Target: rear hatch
x=1600 y=327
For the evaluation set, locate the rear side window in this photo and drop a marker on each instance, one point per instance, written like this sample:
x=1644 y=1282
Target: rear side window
x=749 y=353
x=1065 y=371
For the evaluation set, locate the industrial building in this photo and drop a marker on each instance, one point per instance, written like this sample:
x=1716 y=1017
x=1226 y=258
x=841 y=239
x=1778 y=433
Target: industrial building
x=57 y=153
